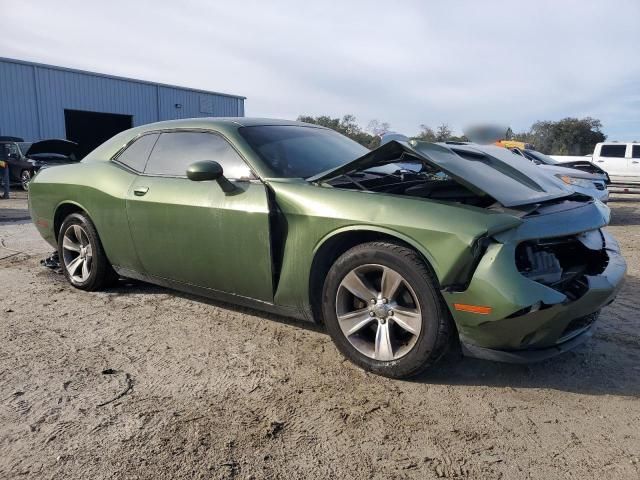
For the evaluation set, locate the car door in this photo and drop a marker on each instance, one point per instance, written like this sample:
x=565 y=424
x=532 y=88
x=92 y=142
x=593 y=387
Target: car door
x=634 y=166
x=612 y=159
x=194 y=232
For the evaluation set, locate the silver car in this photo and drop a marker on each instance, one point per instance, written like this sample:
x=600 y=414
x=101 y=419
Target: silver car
x=592 y=182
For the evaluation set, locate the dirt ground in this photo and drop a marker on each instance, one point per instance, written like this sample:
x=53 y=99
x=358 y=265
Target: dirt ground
x=216 y=391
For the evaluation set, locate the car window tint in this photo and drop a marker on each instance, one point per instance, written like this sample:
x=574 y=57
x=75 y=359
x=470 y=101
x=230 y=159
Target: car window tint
x=175 y=151
x=636 y=151
x=615 y=151
x=136 y=154
x=292 y=151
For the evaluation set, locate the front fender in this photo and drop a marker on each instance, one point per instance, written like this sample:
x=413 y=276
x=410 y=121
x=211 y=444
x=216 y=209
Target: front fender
x=367 y=228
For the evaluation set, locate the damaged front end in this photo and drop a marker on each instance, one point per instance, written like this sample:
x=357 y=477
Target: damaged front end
x=532 y=290
x=545 y=281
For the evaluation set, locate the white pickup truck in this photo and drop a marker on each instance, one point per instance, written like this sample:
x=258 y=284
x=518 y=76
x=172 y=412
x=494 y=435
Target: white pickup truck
x=621 y=160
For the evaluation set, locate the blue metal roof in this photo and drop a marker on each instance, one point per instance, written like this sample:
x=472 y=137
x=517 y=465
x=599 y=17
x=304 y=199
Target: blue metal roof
x=34 y=97
x=114 y=77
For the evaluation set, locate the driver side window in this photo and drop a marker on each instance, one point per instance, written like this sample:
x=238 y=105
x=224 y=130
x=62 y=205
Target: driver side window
x=175 y=151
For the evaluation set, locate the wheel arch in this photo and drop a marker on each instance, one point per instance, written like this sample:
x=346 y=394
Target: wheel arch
x=331 y=246
x=62 y=211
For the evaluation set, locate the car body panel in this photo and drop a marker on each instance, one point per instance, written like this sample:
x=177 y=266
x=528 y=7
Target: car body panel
x=497 y=282
x=261 y=242
x=511 y=181
x=315 y=214
x=229 y=232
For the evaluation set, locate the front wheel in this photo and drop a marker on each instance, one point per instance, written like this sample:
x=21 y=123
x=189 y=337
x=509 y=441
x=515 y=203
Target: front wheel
x=383 y=311
x=25 y=178
x=80 y=251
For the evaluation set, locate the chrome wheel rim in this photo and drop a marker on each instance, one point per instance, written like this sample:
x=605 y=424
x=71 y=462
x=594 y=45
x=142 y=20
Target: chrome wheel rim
x=77 y=253
x=378 y=312
x=25 y=178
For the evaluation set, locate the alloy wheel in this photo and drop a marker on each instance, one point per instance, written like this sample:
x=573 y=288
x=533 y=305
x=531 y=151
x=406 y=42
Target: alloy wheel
x=25 y=178
x=77 y=253
x=378 y=312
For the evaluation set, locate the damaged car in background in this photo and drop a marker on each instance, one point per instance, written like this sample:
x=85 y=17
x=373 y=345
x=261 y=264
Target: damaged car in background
x=584 y=177
x=398 y=251
x=27 y=158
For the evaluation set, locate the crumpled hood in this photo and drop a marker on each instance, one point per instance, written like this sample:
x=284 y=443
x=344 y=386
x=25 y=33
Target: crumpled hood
x=55 y=146
x=494 y=171
x=571 y=172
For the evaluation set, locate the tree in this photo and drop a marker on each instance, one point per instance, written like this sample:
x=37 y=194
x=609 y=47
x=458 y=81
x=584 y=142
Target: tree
x=378 y=128
x=347 y=126
x=569 y=136
x=426 y=134
x=443 y=133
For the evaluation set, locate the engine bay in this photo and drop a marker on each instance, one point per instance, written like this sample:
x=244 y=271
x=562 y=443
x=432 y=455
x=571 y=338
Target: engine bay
x=410 y=176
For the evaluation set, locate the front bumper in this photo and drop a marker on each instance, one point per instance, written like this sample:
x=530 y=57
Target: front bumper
x=525 y=356
x=529 y=320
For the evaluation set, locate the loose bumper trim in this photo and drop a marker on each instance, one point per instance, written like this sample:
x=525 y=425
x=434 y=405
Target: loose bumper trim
x=525 y=356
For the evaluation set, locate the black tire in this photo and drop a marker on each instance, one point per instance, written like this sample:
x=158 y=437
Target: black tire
x=101 y=273
x=436 y=331
x=25 y=178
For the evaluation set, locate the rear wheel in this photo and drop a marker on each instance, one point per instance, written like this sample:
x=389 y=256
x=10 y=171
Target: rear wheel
x=383 y=311
x=83 y=260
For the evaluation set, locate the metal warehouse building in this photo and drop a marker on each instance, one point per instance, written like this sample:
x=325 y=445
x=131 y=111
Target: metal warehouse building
x=42 y=101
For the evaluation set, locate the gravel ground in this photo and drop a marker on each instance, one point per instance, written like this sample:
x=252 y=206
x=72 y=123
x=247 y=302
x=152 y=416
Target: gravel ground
x=216 y=391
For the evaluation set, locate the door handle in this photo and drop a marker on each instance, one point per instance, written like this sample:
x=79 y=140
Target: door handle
x=140 y=191
x=600 y=161
x=635 y=161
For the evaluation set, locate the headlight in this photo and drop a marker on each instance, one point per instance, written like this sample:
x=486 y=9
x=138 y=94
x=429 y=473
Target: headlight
x=576 y=182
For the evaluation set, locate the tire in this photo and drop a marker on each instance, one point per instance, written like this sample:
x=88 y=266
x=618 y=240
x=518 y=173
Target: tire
x=418 y=324
x=78 y=242
x=25 y=178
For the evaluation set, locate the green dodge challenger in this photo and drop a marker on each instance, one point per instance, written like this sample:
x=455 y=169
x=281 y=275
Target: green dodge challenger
x=398 y=251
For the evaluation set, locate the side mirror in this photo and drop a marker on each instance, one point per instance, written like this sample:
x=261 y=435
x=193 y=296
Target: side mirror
x=206 y=170
x=210 y=170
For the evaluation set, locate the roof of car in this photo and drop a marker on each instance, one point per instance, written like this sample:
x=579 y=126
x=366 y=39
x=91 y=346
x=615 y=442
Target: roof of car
x=204 y=122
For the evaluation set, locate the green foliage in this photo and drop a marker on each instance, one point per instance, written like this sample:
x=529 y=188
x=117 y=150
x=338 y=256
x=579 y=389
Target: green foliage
x=569 y=136
x=426 y=134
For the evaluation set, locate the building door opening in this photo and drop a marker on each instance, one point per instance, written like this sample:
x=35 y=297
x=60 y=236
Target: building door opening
x=90 y=129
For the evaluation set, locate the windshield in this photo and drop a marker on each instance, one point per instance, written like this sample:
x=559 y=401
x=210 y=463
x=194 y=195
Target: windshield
x=541 y=157
x=24 y=146
x=299 y=152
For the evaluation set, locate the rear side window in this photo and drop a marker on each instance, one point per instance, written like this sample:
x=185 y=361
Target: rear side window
x=137 y=154
x=615 y=151
x=636 y=151
x=175 y=151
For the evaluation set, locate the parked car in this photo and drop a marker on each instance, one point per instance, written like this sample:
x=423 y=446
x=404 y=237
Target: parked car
x=621 y=160
x=469 y=243
x=26 y=158
x=593 y=182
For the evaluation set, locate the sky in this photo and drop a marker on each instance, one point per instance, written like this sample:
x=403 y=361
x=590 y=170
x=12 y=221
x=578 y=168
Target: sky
x=406 y=62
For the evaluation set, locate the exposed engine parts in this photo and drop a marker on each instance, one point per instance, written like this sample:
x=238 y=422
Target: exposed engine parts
x=563 y=263
x=545 y=267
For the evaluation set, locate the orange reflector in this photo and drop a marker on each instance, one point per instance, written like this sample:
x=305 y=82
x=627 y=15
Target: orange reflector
x=463 y=307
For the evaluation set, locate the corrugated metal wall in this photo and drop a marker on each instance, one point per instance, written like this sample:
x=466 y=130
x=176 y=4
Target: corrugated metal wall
x=33 y=98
